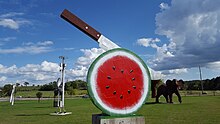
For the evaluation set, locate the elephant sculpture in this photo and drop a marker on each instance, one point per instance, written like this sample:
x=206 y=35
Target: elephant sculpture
x=168 y=89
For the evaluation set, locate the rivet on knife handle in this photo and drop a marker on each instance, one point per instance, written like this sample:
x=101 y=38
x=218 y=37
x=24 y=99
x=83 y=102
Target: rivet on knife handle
x=80 y=24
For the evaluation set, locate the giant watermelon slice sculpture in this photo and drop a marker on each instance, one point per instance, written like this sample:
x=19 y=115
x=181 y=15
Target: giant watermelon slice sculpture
x=118 y=82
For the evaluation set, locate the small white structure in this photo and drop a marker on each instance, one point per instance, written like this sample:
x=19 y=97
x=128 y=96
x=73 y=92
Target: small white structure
x=61 y=85
x=12 y=98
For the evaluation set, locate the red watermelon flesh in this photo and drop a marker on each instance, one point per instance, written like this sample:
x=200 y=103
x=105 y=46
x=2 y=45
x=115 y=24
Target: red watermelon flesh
x=120 y=82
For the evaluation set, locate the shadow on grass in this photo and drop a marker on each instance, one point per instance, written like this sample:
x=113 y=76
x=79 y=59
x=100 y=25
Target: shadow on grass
x=31 y=114
x=147 y=103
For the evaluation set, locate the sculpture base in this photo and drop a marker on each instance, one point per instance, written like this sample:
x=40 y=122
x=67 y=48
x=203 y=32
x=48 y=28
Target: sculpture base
x=61 y=113
x=103 y=119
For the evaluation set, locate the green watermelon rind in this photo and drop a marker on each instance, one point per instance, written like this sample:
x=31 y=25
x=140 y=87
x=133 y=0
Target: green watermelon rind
x=89 y=87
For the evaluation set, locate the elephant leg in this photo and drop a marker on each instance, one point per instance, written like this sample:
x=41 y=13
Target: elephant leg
x=157 y=97
x=166 y=97
x=160 y=91
x=171 y=97
x=179 y=97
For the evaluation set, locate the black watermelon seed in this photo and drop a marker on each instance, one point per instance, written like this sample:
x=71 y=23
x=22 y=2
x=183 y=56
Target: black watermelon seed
x=131 y=71
x=121 y=96
x=107 y=87
x=113 y=67
x=129 y=91
x=133 y=79
x=109 y=77
x=134 y=87
x=114 y=92
x=122 y=70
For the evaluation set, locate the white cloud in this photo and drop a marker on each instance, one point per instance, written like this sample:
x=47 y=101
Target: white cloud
x=49 y=66
x=33 y=73
x=45 y=66
x=45 y=43
x=192 y=28
x=89 y=56
x=147 y=41
x=83 y=63
x=10 y=20
x=3 y=78
x=11 y=14
x=6 y=39
x=164 y=6
x=9 y=23
x=79 y=71
x=214 y=65
x=8 y=70
x=30 y=48
x=49 y=71
x=178 y=71
x=156 y=75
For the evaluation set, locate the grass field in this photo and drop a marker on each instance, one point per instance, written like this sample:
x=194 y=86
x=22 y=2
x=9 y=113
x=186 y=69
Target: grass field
x=46 y=94
x=193 y=110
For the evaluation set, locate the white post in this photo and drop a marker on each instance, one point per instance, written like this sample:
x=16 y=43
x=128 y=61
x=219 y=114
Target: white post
x=62 y=65
x=58 y=93
x=12 y=94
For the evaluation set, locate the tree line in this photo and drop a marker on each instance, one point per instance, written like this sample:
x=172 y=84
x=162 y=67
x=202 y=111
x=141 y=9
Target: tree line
x=77 y=84
x=69 y=87
x=208 y=84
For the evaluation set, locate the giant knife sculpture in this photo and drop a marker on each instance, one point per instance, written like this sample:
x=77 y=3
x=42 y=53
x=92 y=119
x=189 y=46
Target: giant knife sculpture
x=118 y=80
x=104 y=42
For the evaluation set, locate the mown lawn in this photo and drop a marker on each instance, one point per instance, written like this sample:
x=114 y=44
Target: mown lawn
x=193 y=110
x=46 y=94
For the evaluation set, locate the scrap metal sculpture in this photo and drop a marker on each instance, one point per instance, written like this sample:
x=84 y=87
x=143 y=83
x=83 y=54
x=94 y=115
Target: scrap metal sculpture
x=61 y=90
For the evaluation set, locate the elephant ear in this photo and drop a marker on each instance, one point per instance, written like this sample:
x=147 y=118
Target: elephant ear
x=180 y=84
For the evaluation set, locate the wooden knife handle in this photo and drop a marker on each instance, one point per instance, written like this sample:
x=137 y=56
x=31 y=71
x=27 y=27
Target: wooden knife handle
x=80 y=24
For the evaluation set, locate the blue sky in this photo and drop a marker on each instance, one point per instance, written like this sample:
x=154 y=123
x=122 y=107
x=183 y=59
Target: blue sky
x=173 y=37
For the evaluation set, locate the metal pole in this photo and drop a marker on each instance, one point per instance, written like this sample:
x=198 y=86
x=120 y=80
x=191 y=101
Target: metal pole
x=62 y=82
x=200 y=73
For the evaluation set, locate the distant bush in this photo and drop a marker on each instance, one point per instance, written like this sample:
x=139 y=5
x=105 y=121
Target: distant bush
x=39 y=95
x=77 y=84
x=48 y=87
x=6 y=91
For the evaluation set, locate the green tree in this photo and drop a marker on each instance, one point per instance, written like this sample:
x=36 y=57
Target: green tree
x=6 y=91
x=39 y=95
x=71 y=91
x=17 y=84
x=1 y=93
x=26 y=83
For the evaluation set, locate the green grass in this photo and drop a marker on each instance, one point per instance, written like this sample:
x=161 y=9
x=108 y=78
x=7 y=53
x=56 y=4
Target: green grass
x=193 y=110
x=46 y=94
x=31 y=94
